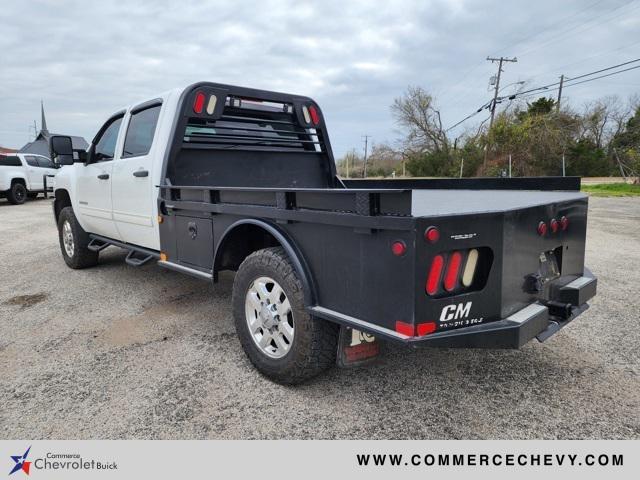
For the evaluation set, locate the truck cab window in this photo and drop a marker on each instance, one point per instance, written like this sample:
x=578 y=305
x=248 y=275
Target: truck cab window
x=142 y=127
x=106 y=144
x=31 y=160
x=44 y=162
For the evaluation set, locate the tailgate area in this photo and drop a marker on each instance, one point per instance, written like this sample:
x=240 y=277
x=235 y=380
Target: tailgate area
x=517 y=266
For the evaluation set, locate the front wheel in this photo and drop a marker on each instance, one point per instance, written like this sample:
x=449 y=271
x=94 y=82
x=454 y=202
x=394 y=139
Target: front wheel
x=74 y=241
x=280 y=338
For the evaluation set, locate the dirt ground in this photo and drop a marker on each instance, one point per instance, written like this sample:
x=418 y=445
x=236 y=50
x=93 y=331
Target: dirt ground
x=122 y=352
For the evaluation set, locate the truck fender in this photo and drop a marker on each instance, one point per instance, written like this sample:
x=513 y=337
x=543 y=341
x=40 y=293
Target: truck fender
x=285 y=242
x=8 y=179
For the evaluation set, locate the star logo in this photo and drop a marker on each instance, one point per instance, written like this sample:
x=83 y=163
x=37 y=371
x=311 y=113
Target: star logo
x=21 y=462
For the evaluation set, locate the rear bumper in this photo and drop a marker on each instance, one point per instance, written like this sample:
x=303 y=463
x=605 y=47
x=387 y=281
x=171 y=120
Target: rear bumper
x=534 y=321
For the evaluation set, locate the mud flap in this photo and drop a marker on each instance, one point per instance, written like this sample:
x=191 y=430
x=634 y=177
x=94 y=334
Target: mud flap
x=356 y=348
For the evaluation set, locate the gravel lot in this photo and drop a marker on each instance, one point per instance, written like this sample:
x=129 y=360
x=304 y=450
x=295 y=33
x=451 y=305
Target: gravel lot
x=120 y=352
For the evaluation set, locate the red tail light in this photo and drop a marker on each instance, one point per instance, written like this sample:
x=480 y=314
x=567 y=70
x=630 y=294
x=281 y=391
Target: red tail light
x=542 y=229
x=426 y=328
x=453 y=271
x=198 y=103
x=315 y=118
x=564 y=223
x=433 y=280
x=405 y=328
x=554 y=225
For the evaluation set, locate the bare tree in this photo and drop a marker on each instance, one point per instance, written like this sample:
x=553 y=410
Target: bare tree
x=415 y=111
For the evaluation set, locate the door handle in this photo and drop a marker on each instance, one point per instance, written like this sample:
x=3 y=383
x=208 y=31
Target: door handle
x=103 y=176
x=141 y=173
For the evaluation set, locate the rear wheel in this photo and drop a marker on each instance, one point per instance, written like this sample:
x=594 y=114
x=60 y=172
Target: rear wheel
x=280 y=338
x=74 y=241
x=17 y=194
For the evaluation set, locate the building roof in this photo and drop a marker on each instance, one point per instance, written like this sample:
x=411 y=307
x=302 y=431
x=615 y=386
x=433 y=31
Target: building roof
x=40 y=145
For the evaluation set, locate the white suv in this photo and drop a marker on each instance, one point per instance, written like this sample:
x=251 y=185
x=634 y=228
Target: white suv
x=22 y=175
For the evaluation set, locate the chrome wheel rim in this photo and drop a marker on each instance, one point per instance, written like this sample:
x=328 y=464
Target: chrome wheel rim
x=269 y=317
x=67 y=238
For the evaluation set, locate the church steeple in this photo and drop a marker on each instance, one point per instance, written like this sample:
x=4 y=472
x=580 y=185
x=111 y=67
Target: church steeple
x=43 y=127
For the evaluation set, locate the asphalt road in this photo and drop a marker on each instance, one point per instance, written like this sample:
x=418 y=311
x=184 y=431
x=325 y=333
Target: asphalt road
x=122 y=352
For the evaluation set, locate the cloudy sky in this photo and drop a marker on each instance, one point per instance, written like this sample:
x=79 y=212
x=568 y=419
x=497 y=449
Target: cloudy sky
x=88 y=59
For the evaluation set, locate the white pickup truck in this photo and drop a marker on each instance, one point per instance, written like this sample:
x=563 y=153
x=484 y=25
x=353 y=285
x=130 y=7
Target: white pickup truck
x=22 y=176
x=219 y=177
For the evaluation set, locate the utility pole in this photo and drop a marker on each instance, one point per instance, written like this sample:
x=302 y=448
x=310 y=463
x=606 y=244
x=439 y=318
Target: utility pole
x=563 y=169
x=347 y=159
x=509 y=165
x=560 y=93
x=500 y=61
x=366 y=146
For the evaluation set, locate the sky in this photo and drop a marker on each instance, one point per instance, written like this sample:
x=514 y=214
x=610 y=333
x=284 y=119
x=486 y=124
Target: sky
x=86 y=60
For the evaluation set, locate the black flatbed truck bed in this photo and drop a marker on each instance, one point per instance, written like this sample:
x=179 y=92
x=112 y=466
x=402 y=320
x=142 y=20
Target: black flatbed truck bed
x=249 y=184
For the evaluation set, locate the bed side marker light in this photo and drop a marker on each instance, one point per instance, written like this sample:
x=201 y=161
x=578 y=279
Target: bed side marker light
x=542 y=229
x=160 y=219
x=163 y=257
x=432 y=234
x=398 y=248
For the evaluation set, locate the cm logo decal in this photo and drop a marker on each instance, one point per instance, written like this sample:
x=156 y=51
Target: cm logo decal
x=455 y=312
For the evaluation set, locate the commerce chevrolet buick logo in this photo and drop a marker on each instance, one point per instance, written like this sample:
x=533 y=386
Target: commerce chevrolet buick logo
x=21 y=462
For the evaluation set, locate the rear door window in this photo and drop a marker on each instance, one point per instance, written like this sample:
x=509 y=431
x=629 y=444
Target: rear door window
x=31 y=160
x=9 y=161
x=142 y=127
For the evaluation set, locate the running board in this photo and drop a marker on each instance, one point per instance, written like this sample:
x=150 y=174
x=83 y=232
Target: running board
x=136 y=256
x=137 y=261
x=96 y=245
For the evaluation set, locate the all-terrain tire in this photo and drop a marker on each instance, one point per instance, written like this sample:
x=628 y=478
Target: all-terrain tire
x=314 y=344
x=75 y=252
x=17 y=194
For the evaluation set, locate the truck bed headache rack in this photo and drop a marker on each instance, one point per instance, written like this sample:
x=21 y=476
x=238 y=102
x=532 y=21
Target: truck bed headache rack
x=249 y=124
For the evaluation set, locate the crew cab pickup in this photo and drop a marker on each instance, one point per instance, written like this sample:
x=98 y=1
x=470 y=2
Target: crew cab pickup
x=217 y=177
x=24 y=176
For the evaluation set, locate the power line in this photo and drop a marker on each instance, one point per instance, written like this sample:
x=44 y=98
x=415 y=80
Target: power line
x=572 y=30
x=566 y=83
x=562 y=22
x=546 y=87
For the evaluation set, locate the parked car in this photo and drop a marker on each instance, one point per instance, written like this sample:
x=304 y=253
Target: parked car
x=22 y=176
x=217 y=177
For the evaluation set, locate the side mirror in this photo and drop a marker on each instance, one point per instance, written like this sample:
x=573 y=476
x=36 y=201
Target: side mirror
x=61 y=149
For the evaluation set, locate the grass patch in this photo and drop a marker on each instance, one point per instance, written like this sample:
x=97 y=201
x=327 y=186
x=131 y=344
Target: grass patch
x=612 y=190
